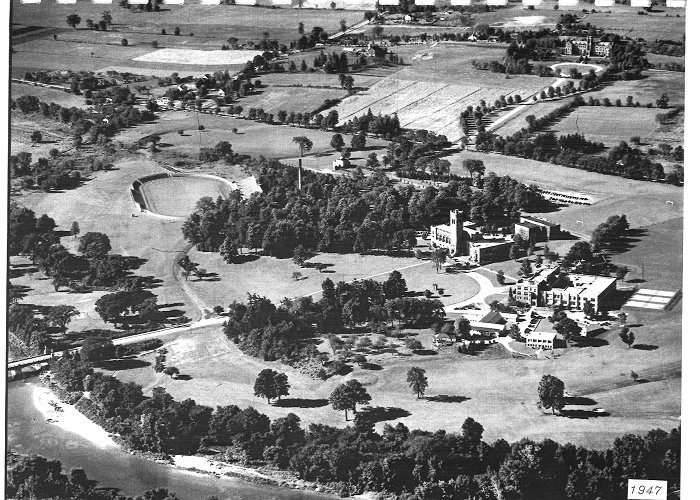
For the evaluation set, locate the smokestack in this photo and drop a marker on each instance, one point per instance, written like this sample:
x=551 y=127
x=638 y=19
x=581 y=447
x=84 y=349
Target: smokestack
x=299 y=174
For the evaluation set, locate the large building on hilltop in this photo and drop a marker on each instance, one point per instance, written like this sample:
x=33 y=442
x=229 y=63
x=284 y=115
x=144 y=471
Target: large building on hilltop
x=587 y=47
x=461 y=237
x=552 y=287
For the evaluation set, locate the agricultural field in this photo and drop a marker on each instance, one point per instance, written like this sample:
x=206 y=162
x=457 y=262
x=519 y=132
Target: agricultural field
x=611 y=125
x=291 y=99
x=206 y=22
x=48 y=95
x=54 y=135
x=431 y=93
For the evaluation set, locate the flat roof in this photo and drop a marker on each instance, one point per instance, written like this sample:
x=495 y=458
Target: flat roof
x=593 y=285
x=527 y=224
x=542 y=336
x=538 y=220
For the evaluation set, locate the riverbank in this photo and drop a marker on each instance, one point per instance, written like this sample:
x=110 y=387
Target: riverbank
x=68 y=418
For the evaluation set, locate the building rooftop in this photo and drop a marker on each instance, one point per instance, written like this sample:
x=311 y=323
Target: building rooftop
x=537 y=220
x=550 y=336
x=527 y=224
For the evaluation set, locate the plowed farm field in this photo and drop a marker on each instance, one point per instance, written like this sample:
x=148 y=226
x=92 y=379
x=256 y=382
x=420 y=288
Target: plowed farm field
x=429 y=105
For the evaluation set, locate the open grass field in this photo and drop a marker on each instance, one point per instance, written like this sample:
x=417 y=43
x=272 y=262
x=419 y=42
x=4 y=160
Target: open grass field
x=291 y=99
x=198 y=57
x=611 y=125
x=103 y=204
x=646 y=90
x=662 y=23
x=273 y=277
x=497 y=391
x=615 y=194
x=177 y=196
x=252 y=138
x=55 y=135
x=211 y=21
x=48 y=95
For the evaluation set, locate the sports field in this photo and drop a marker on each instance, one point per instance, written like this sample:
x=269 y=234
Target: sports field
x=611 y=125
x=177 y=196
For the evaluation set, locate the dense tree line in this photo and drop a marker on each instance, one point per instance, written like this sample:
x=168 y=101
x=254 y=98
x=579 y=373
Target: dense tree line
x=416 y=464
x=283 y=332
x=348 y=214
x=103 y=120
x=387 y=127
x=47 y=174
x=33 y=477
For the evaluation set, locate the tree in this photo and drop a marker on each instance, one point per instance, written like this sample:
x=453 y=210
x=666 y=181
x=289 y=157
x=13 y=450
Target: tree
x=94 y=245
x=340 y=399
x=621 y=272
x=96 y=349
x=627 y=336
x=296 y=275
x=60 y=316
x=394 y=286
x=73 y=20
x=337 y=142
x=474 y=167
x=188 y=266
x=567 y=328
x=551 y=392
x=301 y=255
x=265 y=384
x=171 y=371
x=438 y=256
x=305 y=144
x=500 y=277
x=229 y=250
x=107 y=18
x=36 y=137
x=589 y=309
x=75 y=229
x=417 y=380
x=525 y=268
x=281 y=385
x=347 y=396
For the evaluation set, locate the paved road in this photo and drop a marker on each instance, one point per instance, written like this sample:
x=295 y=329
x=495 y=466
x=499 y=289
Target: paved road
x=131 y=339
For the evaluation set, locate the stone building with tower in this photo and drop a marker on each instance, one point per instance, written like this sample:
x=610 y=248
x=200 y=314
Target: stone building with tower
x=463 y=238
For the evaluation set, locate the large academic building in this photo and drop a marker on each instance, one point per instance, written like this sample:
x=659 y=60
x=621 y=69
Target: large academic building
x=551 y=287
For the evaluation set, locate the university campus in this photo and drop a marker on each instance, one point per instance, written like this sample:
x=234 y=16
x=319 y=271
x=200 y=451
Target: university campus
x=316 y=249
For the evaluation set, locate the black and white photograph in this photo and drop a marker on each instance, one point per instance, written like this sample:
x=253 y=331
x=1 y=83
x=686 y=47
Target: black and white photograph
x=371 y=249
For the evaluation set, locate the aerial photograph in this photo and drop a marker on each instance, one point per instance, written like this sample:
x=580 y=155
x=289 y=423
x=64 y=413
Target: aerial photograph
x=320 y=249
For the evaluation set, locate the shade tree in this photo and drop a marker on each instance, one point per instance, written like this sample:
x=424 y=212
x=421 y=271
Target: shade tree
x=417 y=380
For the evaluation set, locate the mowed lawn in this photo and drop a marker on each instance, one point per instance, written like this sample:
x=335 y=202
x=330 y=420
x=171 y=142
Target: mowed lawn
x=252 y=138
x=610 y=125
x=290 y=99
x=272 y=277
x=646 y=90
x=614 y=195
x=499 y=393
x=178 y=196
x=103 y=204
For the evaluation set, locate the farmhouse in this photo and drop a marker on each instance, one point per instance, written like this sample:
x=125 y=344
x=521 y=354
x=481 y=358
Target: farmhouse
x=551 y=287
x=587 y=47
x=536 y=229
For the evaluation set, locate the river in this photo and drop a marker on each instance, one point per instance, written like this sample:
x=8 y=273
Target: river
x=29 y=433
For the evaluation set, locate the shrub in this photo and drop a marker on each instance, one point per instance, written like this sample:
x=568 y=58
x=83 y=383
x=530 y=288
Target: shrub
x=180 y=132
x=125 y=42
x=200 y=127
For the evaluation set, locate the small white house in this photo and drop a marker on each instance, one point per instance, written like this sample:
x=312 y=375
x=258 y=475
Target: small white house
x=341 y=163
x=541 y=340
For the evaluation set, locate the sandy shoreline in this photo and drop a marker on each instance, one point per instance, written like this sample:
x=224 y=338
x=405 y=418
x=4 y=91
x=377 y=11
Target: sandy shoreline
x=68 y=418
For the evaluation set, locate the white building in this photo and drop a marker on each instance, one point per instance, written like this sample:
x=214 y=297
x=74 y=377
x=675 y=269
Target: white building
x=541 y=340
